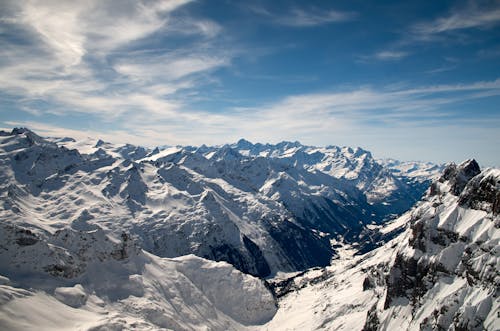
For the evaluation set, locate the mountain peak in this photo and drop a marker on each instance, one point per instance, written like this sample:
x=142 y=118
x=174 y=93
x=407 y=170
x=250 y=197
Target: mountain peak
x=244 y=144
x=469 y=166
x=99 y=143
x=288 y=144
x=21 y=131
x=459 y=176
x=32 y=137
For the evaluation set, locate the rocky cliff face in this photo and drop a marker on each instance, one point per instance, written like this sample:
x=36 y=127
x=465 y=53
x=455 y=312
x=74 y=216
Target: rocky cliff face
x=447 y=269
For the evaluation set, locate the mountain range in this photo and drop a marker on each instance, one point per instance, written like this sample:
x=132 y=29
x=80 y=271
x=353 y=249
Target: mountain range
x=121 y=236
x=262 y=208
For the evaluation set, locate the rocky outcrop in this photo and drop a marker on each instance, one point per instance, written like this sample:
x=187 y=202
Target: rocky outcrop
x=459 y=176
x=452 y=241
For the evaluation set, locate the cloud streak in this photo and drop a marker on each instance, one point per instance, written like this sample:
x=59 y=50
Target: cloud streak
x=390 y=55
x=314 y=115
x=470 y=17
x=303 y=17
x=386 y=55
x=310 y=18
x=80 y=57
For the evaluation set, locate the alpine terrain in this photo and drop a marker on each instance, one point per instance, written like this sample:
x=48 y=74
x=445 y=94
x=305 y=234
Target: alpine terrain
x=262 y=208
x=441 y=273
x=242 y=237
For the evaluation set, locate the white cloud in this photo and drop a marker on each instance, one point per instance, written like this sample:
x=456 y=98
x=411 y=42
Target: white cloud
x=76 y=57
x=169 y=67
x=307 y=18
x=302 y=17
x=73 y=29
x=391 y=55
x=470 y=17
x=387 y=55
x=326 y=114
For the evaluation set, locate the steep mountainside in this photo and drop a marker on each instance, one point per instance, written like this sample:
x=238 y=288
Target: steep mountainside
x=262 y=208
x=441 y=273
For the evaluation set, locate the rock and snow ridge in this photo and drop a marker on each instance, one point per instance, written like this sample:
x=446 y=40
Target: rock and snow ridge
x=262 y=208
x=441 y=273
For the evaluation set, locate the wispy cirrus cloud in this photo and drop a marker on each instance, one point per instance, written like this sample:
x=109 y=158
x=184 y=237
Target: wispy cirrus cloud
x=388 y=105
x=73 y=29
x=309 y=18
x=390 y=55
x=452 y=27
x=473 y=16
x=83 y=58
x=314 y=116
x=303 y=17
x=385 y=55
x=170 y=67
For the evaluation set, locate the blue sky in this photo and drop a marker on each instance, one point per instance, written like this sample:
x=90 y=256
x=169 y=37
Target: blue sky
x=404 y=79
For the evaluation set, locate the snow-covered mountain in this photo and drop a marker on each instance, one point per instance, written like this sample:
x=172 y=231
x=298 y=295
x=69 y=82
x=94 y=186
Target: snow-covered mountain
x=105 y=234
x=262 y=208
x=441 y=273
x=413 y=170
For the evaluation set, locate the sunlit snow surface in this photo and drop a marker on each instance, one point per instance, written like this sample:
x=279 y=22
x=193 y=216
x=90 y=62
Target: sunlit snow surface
x=134 y=291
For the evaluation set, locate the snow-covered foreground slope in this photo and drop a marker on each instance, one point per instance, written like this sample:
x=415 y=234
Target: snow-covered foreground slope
x=262 y=208
x=442 y=273
x=86 y=280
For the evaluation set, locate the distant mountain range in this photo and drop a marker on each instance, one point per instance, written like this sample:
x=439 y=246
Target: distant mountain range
x=262 y=208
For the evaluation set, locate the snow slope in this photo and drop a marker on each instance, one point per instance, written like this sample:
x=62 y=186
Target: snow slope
x=86 y=280
x=442 y=273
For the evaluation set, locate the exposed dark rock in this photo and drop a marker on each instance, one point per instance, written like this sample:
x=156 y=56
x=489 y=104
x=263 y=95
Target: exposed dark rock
x=259 y=261
x=26 y=241
x=444 y=237
x=367 y=284
x=482 y=193
x=409 y=278
x=64 y=271
x=295 y=283
x=301 y=246
x=230 y=254
x=25 y=237
x=417 y=239
x=459 y=176
x=372 y=322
